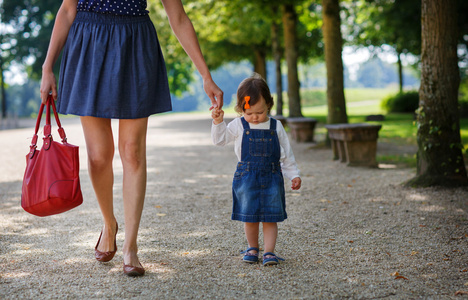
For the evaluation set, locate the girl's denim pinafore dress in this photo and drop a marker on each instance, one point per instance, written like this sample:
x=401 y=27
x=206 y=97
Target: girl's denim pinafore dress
x=258 y=185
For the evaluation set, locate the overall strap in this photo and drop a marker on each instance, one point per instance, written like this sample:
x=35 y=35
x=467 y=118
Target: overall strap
x=272 y=124
x=245 y=141
x=245 y=123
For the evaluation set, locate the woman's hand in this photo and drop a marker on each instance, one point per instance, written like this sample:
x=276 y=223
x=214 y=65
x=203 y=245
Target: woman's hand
x=214 y=93
x=217 y=114
x=48 y=84
x=63 y=21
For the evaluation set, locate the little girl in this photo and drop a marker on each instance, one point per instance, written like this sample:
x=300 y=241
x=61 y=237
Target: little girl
x=264 y=155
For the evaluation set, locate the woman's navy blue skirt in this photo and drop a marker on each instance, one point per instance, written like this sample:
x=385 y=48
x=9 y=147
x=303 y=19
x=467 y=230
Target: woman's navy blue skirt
x=112 y=67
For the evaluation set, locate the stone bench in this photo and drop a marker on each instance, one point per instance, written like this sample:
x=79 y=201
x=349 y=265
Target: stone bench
x=281 y=118
x=302 y=129
x=354 y=144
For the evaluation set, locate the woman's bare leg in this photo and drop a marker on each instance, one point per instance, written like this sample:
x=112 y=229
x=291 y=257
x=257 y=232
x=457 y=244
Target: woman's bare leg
x=100 y=148
x=132 y=148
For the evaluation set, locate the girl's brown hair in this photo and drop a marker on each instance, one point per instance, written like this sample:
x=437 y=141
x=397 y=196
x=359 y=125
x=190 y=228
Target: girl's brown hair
x=255 y=87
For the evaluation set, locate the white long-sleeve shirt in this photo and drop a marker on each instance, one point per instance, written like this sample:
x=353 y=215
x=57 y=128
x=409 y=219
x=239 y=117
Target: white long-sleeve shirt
x=223 y=134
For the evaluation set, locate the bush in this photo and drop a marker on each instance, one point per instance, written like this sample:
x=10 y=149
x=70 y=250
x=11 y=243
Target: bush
x=463 y=99
x=406 y=102
x=463 y=105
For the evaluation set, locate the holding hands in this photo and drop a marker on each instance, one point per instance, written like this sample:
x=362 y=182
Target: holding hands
x=218 y=115
x=214 y=93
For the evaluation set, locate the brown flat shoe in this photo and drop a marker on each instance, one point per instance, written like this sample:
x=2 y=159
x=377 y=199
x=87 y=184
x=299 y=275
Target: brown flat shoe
x=133 y=271
x=108 y=255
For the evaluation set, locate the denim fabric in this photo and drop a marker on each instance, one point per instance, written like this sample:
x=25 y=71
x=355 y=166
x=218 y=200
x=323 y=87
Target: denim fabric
x=112 y=67
x=258 y=184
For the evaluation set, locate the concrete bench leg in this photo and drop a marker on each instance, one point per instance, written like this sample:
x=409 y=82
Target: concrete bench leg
x=342 y=151
x=361 y=153
x=335 y=146
x=339 y=151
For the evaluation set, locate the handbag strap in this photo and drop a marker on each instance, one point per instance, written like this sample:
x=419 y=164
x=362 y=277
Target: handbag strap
x=47 y=127
x=60 y=130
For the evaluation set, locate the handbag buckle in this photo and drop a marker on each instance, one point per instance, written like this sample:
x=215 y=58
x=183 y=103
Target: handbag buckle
x=47 y=142
x=32 y=151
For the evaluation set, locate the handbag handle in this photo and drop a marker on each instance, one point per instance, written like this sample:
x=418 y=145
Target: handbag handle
x=47 y=127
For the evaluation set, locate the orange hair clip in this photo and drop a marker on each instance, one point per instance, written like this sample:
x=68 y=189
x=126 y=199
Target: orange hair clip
x=247 y=105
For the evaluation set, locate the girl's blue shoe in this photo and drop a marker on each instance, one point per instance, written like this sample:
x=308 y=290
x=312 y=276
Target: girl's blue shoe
x=250 y=257
x=271 y=260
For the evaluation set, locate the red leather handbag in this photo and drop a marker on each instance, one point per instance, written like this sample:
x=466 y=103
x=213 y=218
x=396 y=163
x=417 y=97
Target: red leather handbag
x=51 y=183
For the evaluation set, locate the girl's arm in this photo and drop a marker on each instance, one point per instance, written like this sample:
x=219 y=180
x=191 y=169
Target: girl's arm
x=65 y=17
x=222 y=134
x=185 y=33
x=288 y=161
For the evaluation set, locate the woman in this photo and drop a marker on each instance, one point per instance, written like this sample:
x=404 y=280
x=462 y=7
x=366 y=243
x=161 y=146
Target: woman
x=112 y=68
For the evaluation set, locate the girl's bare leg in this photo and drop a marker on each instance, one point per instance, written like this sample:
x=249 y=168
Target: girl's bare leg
x=132 y=149
x=251 y=233
x=100 y=149
x=270 y=233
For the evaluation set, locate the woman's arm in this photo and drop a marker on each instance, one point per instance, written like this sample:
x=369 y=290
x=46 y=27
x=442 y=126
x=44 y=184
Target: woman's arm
x=185 y=33
x=65 y=17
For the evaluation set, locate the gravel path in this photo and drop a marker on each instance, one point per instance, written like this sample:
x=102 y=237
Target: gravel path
x=352 y=232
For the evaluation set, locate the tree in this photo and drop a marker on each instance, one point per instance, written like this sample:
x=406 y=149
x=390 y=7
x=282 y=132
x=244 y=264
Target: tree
x=290 y=43
x=388 y=22
x=30 y=24
x=26 y=27
x=333 y=59
x=5 y=58
x=277 y=57
x=439 y=158
x=3 y=90
x=232 y=31
x=376 y=73
x=2 y=80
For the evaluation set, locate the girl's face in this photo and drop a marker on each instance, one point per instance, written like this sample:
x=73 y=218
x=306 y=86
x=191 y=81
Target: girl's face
x=257 y=113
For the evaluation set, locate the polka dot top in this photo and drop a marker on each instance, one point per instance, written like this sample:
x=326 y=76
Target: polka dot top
x=115 y=7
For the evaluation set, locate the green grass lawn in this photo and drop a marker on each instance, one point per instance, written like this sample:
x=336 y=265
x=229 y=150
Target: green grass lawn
x=316 y=96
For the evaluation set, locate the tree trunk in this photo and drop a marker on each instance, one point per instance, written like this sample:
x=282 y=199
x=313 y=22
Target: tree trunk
x=290 y=42
x=277 y=57
x=3 y=93
x=2 y=77
x=400 y=71
x=333 y=48
x=440 y=160
x=260 y=62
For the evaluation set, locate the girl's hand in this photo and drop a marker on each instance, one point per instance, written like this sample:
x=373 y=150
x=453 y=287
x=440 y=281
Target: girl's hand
x=48 y=84
x=214 y=93
x=296 y=183
x=217 y=114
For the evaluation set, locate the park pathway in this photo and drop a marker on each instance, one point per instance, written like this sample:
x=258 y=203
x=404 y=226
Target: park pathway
x=352 y=233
